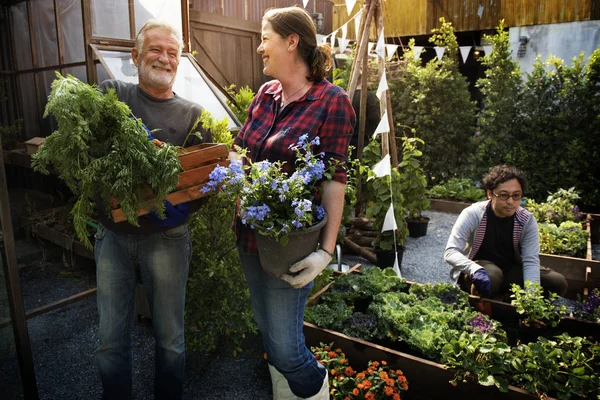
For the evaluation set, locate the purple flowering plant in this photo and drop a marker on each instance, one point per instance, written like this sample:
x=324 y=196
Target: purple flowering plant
x=273 y=202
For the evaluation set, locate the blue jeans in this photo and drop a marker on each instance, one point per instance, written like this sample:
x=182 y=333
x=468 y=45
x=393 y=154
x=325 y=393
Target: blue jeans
x=163 y=260
x=278 y=310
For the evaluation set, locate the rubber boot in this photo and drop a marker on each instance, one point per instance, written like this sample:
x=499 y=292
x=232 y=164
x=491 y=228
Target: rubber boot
x=281 y=388
x=324 y=392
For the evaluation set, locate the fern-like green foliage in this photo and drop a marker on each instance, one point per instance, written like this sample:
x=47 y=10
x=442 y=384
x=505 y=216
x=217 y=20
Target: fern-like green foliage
x=101 y=149
x=243 y=97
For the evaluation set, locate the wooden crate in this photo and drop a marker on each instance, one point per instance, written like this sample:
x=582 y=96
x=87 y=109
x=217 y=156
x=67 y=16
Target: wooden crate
x=197 y=163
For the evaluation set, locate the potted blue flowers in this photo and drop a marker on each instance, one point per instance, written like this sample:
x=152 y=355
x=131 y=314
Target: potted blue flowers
x=281 y=209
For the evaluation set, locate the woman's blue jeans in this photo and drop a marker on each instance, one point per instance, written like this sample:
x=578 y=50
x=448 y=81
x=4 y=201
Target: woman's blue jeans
x=163 y=261
x=278 y=310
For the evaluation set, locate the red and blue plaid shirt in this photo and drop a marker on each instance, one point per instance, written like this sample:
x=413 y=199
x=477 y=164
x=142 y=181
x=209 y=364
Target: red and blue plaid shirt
x=325 y=111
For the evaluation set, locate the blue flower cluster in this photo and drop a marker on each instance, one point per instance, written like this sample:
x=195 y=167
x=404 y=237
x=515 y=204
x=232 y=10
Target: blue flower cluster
x=271 y=201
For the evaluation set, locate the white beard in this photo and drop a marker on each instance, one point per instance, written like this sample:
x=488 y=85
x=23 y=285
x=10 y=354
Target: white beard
x=154 y=77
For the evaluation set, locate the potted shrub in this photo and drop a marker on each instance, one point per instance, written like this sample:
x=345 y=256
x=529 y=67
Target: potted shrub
x=413 y=185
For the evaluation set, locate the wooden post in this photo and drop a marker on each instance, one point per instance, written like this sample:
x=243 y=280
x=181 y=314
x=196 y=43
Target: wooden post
x=362 y=48
x=13 y=287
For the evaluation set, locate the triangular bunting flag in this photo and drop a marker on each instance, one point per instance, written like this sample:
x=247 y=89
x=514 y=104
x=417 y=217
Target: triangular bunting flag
x=380 y=48
x=464 y=52
x=343 y=44
x=396 y=267
x=357 y=23
x=370 y=47
x=383 y=85
x=439 y=51
x=384 y=125
x=350 y=5
x=391 y=50
x=417 y=50
x=488 y=50
x=389 y=224
x=480 y=11
x=332 y=39
x=305 y=2
x=321 y=38
x=383 y=167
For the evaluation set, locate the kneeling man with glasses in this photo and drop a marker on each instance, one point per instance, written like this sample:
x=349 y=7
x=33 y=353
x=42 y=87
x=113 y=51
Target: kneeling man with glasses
x=495 y=243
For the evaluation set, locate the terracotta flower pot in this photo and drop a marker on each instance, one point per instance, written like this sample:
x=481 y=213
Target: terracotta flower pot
x=276 y=259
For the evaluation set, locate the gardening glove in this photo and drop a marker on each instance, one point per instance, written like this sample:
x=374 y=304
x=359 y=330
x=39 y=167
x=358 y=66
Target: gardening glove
x=174 y=215
x=307 y=269
x=482 y=282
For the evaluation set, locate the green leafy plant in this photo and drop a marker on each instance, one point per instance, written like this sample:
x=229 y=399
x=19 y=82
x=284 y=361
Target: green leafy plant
x=457 y=189
x=536 y=309
x=589 y=309
x=101 y=149
x=568 y=239
x=215 y=322
x=480 y=357
x=560 y=206
x=412 y=178
x=243 y=97
x=219 y=129
x=565 y=367
x=11 y=134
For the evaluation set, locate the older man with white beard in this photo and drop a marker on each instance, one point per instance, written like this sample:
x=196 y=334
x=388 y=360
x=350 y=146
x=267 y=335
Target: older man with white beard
x=160 y=248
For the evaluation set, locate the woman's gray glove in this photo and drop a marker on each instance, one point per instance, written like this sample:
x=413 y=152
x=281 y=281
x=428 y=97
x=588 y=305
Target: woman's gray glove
x=307 y=268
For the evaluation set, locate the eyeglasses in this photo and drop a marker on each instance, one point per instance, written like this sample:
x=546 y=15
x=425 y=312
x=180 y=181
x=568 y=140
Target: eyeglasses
x=505 y=196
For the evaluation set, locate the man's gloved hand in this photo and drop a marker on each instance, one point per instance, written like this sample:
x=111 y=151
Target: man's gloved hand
x=307 y=268
x=482 y=282
x=174 y=215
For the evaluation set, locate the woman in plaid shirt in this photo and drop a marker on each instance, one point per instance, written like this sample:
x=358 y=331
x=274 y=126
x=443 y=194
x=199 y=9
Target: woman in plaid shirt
x=299 y=101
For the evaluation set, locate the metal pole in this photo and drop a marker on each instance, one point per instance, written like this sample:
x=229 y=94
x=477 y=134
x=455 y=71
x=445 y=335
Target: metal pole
x=13 y=287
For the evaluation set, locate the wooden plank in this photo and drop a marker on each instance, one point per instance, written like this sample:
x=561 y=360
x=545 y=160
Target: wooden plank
x=63 y=240
x=17 y=157
x=447 y=206
x=570 y=267
x=426 y=379
x=182 y=196
x=194 y=176
x=204 y=156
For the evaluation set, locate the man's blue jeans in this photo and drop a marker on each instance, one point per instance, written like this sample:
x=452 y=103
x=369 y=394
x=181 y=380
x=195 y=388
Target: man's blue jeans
x=278 y=310
x=163 y=260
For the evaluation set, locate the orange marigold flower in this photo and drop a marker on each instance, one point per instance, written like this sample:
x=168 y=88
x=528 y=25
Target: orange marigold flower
x=349 y=371
x=338 y=350
x=360 y=375
x=347 y=398
x=396 y=396
x=399 y=372
x=404 y=386
x=318 y=356
x=343 y=361
x=265 y=355
x=369 y=396
x=375 y=364
x=383 y=375
x=360 y=386
x=333 y=372
x=332 y=354
x=402 y=379
x=388 y=391
x=326 y=348
x=321 y=362
x=383 y=363
x=367 y=384
x=341 y=376
x=355 y=391
x=390 y=382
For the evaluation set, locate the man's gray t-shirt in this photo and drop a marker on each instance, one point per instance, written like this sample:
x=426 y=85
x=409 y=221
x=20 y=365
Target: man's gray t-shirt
x=170 y=120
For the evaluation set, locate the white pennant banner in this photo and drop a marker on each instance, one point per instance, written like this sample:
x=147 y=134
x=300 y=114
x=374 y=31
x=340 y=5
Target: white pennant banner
x=357 y=23
x=383 y=85
x=382 y=168
x=391 y=50
x=417 y=50
x=396 y=267
x=488 y=50
x=370 y=47
x=350 y=5
x=389 y=224
x=384 y=125
x=464 y=52
x=343 y=41
x=305 y=2
x=380 y=48
x=321 y=38
x=439 y=51
x=332 y=39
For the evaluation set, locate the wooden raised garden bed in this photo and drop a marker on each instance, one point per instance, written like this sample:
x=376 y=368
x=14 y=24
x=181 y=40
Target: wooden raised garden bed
x=429 y=379
x=448 y=206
